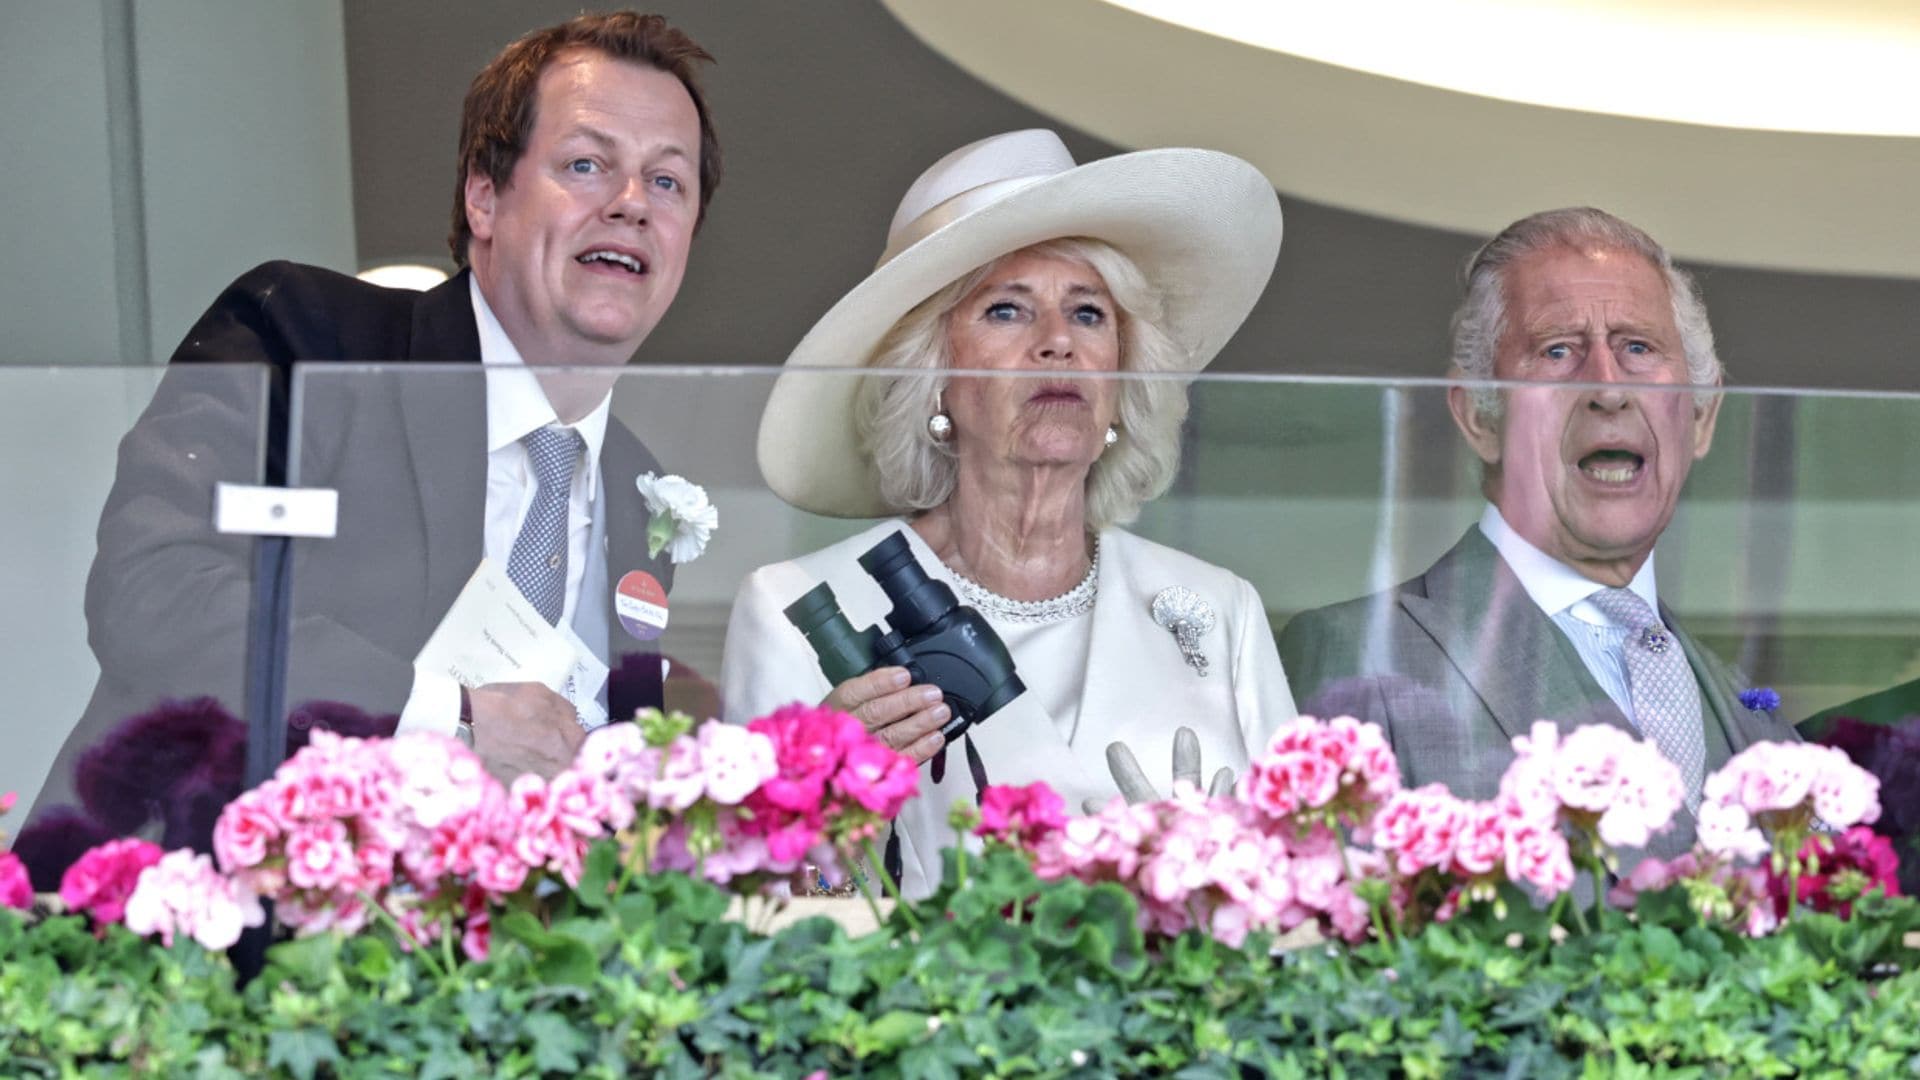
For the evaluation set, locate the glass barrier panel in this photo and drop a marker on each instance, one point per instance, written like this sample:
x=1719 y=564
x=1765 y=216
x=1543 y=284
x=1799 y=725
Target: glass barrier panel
x=127 y=610
x=1391 y=550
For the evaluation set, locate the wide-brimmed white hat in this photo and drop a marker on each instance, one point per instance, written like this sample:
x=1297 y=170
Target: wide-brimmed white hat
x=1203 y=226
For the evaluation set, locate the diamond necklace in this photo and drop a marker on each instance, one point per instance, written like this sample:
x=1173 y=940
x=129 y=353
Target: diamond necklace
x=1074 y=602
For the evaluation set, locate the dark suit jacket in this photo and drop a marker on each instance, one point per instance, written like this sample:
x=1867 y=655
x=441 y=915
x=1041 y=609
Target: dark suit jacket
x=1456 y=662
x=168 y=599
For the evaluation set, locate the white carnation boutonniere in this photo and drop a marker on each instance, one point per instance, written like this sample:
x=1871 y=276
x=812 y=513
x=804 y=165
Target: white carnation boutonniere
x=683 y=518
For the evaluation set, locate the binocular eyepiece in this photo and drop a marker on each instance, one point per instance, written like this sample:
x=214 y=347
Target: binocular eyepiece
x=940 y=641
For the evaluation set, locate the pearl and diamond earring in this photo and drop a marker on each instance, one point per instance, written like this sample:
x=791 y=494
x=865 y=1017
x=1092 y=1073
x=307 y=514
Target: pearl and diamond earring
x=1113 y=434
x=939 y=425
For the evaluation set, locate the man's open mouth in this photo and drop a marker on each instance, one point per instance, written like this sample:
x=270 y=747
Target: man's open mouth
x=1612 y=466
x=632 y=264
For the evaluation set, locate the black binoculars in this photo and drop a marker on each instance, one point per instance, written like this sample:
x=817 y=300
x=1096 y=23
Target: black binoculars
x=939 y=640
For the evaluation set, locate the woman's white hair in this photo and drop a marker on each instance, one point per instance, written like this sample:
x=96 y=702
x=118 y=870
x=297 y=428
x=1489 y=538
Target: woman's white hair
x=917 y=473
x=1481 y=318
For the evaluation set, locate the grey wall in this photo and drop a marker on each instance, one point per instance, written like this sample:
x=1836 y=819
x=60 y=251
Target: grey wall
x=828 y=110
x=58 y=300
x=155 y=150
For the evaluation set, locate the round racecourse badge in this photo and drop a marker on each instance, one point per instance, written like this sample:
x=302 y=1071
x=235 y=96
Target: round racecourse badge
x=641 y=604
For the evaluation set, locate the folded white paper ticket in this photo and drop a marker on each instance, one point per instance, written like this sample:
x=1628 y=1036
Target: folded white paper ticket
x=491 y=634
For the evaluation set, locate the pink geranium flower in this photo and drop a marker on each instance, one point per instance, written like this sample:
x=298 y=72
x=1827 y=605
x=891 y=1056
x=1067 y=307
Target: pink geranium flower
x=1020 y=815
x=100 y=881
x=736 y=761
x=1482 y=844
x=877 y=777
x=1339 y=765
x=1421 y=828
x=16 y=889
x=183 y=893
x=1840 y=870
x=244 y=831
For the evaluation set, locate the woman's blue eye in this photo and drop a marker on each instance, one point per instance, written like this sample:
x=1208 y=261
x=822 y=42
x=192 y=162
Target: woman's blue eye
x=1003 y=311
x=1089 y=315
x=667 y=183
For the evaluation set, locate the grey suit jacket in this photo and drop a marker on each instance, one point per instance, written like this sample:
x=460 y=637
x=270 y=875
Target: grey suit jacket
x=1456 y=662
x=168 y=600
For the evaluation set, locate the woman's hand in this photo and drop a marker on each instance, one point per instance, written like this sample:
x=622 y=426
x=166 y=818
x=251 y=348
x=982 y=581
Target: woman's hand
x=906 y=717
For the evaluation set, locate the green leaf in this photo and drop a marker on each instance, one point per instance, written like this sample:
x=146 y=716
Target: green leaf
x=557 y=1047
x=596 y=876
x=305 y=960
x=302 y=1051
x=888 y=1032
x=558 y=957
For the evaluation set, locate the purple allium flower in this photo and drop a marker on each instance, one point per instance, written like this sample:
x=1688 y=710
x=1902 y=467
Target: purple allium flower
x=126 y=779
x=1892 y=753
x=177 y=764
x=52 y=841
x=1760 y=699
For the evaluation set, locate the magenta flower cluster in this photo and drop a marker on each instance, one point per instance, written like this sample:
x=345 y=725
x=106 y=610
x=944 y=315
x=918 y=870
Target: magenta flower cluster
x=101 y=881
x=828 y=786
x=16 y=887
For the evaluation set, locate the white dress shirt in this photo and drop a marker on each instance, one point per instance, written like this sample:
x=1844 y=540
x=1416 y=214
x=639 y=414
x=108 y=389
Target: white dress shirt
x=516 y=405
x=1563 y=594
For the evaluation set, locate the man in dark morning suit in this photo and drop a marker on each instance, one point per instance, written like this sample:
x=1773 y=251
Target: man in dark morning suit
x=1539 y=609
x=587 y=160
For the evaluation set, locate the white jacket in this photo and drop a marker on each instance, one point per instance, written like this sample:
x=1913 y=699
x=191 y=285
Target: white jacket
x=1138 y=686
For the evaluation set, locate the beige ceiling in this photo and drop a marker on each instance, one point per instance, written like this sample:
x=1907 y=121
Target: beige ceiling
x=1730 y=130
x=830 y=108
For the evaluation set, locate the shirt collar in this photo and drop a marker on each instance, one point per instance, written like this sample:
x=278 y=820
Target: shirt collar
x=1554 y=586
x=516 y=404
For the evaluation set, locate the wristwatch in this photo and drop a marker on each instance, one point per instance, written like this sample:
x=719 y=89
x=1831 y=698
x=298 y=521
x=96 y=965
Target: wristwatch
x=463 y=728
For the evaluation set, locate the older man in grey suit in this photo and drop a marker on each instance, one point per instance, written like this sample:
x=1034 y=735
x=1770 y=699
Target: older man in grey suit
x=1546 y=609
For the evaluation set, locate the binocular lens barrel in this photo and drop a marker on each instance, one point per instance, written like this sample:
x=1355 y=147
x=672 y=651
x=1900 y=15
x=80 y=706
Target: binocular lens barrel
x=843 y=651
x=918 y=600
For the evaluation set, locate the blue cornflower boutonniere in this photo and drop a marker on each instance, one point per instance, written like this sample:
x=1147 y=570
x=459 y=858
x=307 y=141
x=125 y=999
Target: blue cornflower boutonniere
x=1760 y=699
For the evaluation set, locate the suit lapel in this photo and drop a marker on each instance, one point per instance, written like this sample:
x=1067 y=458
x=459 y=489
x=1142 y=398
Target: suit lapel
x=636 y=663
x=444 y=415
x=1520 y=664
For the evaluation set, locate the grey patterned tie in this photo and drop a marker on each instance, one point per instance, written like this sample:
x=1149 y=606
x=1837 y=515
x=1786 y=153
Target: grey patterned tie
x=538 y=564
x=1666 y=698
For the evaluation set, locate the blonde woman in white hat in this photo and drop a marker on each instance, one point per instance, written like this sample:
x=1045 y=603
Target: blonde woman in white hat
x=1007 y=258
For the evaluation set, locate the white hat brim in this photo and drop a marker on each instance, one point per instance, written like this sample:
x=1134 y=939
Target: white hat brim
x=1203 y=226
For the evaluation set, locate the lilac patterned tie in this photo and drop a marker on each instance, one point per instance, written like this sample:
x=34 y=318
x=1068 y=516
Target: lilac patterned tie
x=538 y=564
x=1666 y=699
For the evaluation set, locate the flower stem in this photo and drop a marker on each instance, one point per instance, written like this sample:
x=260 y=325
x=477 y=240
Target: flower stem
x=401 y=932
x=1389 y=928
x=886 y=881
x=1599 y=892
x=1579 y=914
x=642 y=848
x=866 y=890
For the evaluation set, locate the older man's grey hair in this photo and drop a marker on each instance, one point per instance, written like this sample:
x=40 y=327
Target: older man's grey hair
x=1481 y=318
x=917 y=473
